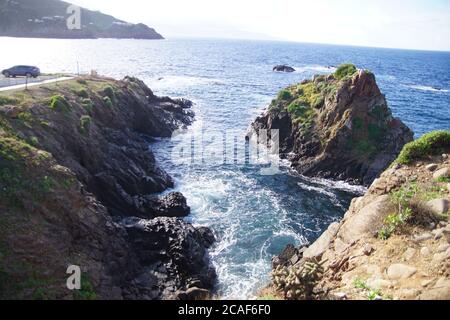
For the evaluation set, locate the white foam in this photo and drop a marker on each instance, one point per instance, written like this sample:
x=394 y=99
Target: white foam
x=340 y=185
x=334 y=199
x=315 y=68
x=427 y=88
x=174 y=81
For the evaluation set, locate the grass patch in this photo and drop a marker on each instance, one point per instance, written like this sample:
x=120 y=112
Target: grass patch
x=4 y=100
x=87 y=290
x=393 y=222
x=443 y=180
x=59 y=103
x=372 y=293
x=285 y=95
x=83 y=93
x=18 y=177
x=345 y=71
x=26 y=118
x=430 y=144
x=411 y=200
x=311 y=95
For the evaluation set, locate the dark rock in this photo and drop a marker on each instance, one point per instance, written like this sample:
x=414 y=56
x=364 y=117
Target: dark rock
x=289 y=256
x=207 y=236
x=283 y=68
x=172 y=205
x=193 y=294
x=177 y=245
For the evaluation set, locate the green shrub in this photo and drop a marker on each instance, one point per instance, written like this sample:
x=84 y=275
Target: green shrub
x=311 y=95
x=108 y=102
x=109 y=92
x=87 y=105
x=433 y=143
x=40 y=294
x=59 y=103
x=300 y=112
x=26 y=118
x=372 y=293
x=34 y=141
x=85 y=124
x=87 y=290
x=82 y=93
x=7 y=100
x=82 y=81
x=393 y=222
x=345 y=71
x=285 y=95
x=402 y=198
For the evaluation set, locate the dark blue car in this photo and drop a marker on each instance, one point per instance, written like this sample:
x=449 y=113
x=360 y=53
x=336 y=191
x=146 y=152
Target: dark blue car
x=24 y=71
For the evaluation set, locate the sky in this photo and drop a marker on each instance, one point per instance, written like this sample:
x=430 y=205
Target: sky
x=406 y=24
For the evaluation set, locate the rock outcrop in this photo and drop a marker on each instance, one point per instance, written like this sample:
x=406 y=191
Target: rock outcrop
x=78 y=185
x=337 y=126
x=393 y=242
x=283 y=68
x=48 y=19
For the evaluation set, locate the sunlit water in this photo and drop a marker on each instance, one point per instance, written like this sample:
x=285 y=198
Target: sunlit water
x=253 y=216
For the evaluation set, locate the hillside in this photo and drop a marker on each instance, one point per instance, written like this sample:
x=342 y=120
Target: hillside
x=393 y=243
x=79 y=187
x=47 y=19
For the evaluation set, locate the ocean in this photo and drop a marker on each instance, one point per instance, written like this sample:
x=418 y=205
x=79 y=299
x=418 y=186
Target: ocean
x=253 y=216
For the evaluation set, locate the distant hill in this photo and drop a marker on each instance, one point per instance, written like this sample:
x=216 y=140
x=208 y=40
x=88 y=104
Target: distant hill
x=47 y=19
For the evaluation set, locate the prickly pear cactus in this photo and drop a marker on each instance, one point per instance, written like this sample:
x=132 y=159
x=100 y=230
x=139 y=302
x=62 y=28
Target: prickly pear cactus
x=297 y=282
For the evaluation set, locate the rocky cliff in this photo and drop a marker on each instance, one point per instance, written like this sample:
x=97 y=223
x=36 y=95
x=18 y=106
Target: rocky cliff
x=78 y=184
x=47 y=19
x=393 y=243
x=337 y=126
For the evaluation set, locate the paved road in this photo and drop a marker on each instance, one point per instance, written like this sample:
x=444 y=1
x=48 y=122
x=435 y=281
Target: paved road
x=19 y=83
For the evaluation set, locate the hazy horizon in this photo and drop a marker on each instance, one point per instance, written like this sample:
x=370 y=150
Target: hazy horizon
x=416 y=24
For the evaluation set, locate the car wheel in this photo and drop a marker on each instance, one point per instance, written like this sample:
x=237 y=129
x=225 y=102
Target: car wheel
x=7 y=74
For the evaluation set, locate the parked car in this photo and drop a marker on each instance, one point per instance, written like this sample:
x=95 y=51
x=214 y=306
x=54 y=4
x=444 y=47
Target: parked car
x=24 y=71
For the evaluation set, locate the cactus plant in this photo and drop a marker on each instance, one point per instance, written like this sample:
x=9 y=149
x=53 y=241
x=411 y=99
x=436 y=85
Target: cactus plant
x=297 y=282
